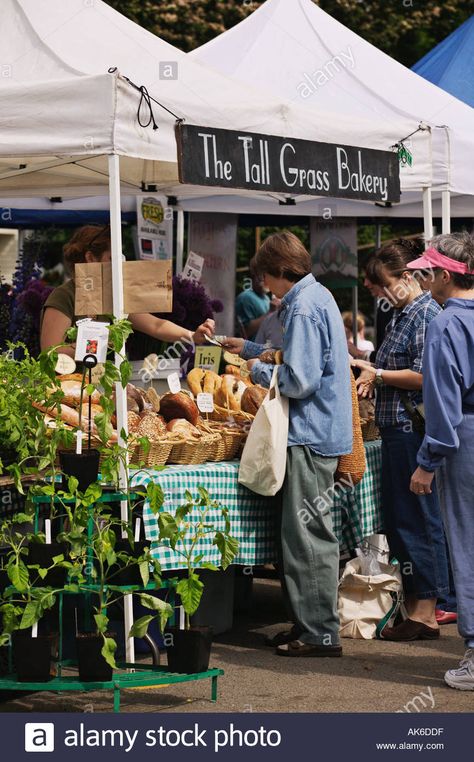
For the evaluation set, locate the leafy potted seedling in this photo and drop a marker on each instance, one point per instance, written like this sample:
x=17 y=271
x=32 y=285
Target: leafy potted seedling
x=93 y=539
x=84 y=462
x=190 y=648
x=24 y=602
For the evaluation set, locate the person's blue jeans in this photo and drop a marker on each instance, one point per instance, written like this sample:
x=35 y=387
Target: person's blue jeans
x=454 y=480
x=412 y=522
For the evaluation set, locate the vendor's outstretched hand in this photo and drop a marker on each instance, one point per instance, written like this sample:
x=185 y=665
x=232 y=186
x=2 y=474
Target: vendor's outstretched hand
x=205 y=329
x=233 y=344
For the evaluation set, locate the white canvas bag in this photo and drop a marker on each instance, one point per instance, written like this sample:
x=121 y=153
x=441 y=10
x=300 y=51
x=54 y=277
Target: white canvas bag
x=263 y=463
x=364 y=600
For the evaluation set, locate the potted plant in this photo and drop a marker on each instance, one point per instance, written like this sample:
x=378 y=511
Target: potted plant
x=24 y=602
x=92 y=537
x=84 y=464
x=190 y=648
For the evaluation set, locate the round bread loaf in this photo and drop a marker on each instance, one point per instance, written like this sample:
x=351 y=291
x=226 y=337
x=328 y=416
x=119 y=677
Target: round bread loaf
x=151 y=425
x=72 y=394
x=252 y=398
x=183 y=427
x=179 y=405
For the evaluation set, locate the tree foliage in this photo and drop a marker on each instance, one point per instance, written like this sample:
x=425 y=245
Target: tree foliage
x=405 y=29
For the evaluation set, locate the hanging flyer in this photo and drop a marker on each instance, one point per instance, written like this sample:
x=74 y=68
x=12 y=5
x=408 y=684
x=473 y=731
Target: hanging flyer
x=154 y=227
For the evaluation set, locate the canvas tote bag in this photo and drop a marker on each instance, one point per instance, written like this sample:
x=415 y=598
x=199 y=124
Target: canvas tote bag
x=364 y=600
x=263 y=462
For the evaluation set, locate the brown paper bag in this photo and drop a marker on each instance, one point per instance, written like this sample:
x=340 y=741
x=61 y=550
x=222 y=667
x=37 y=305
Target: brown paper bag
x=147 y=287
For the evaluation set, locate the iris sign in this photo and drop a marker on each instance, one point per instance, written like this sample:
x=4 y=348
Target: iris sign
x=231 y=159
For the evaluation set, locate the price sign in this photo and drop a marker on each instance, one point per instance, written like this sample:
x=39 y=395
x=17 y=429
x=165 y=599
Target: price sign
x=205 y=402
x=174 y=383
x=193 y=268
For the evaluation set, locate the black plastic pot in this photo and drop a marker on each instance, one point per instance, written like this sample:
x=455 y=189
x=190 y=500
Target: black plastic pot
x=41 y=554
x=128 y=575
x=92 y=666
x=33 y=656
x=189 y=650
x=85 y=467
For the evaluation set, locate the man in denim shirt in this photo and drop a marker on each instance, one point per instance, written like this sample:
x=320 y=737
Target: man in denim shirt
x=315 y=378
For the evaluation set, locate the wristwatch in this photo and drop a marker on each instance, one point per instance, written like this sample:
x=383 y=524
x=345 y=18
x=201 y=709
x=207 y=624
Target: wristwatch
x=378 y=380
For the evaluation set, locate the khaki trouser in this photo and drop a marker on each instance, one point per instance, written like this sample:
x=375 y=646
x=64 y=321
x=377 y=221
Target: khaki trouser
x=308 y=547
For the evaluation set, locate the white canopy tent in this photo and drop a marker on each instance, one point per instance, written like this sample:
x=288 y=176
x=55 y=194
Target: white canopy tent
x=72 y=125
x=296 y=50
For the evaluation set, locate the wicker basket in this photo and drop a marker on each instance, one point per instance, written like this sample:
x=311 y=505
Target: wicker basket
x=158 y=453
x=194 y=450
x=354 y=464
x=370 y=431
x=225 y=415
x=230 y=440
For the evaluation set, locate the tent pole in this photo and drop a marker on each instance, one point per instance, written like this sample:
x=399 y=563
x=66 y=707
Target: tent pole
x=120 y=393
x=378 y=244
x=427 y=214
x=355 y=312
x=446 y=211
x=179 y=241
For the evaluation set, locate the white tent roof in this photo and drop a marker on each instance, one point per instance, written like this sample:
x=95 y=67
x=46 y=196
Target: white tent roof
x=61 y=112
x=297 y=51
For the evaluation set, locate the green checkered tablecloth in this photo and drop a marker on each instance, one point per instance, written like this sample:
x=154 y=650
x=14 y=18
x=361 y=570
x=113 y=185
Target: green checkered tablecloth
x=356 y=511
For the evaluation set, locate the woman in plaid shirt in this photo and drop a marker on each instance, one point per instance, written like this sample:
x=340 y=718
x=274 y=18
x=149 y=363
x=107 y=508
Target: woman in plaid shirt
x=413 y=522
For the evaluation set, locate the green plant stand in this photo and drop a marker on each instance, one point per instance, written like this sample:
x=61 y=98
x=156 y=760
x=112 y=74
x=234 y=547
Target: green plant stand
x=137 y=676
x=142 y=677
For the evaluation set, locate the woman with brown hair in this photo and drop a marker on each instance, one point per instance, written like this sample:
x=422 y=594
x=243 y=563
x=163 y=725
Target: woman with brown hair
x=314 y=376
x=412 y=522
x=92 y=244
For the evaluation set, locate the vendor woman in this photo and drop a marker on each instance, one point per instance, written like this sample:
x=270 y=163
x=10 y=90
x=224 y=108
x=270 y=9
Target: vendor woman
x=92 y=244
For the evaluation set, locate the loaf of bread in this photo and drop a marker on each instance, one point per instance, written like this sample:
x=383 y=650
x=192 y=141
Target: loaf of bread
x=151 y=425
x=233 y=370
x=200 y=380
x=95 y=410
x=72 y=394
x=252 y=398
x=182 y=427
x=153 y=398
x=195 y=379
x=179 y=405
x=133 y=422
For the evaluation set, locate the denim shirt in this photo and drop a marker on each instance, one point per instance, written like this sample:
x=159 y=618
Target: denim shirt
x=315 y=371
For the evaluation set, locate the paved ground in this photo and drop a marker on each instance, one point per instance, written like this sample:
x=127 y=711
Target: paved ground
x=373 y=676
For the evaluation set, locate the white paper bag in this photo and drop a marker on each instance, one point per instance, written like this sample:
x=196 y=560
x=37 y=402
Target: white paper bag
x=263 y=463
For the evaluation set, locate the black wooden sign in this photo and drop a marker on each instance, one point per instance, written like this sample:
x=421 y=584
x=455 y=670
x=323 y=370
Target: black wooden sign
x=231 y=159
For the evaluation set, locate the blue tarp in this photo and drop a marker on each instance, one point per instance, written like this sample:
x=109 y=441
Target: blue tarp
x=450 y=65
x=33 y=218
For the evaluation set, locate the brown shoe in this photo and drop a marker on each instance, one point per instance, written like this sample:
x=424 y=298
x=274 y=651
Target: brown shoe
x=282 y=638
x=410 y=630
x=298 y=648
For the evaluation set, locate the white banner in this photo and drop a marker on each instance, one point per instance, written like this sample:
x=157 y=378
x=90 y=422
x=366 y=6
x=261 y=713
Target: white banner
x=214 y=237
x=154 y=227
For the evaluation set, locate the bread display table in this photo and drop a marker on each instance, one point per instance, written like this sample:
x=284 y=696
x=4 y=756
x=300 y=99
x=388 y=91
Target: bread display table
x=356 y=512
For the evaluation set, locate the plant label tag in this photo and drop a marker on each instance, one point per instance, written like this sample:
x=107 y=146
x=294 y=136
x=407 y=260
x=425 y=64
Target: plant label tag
x=205 y=402
x=65 y=365
x=92 y=339
x=174 y=383
x=79 y=442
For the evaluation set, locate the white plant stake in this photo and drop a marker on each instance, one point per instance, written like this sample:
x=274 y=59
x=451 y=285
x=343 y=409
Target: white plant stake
x=47 y=531
x=181 y=618
x=79 y=442
x=34 y=630
x=137 y=530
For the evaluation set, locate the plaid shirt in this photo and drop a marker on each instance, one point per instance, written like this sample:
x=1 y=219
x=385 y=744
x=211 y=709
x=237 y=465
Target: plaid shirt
x=402 y=349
